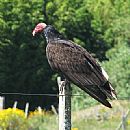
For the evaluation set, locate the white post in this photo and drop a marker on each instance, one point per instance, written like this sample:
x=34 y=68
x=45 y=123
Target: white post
x=26 y=109
x=15 y=105
x=64 y=105
x=39 y=109
x=54 y=110
x=1 y=102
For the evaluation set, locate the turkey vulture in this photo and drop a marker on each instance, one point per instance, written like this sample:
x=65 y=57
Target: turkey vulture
x=76 y=64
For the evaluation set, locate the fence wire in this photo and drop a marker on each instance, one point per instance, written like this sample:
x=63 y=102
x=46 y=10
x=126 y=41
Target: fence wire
x=37 y=94
x=51 y=95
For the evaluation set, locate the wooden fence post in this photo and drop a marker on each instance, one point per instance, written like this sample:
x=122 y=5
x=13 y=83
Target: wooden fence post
x=15 y=105
x=54 y=110
x=64 y=105
x=123 y=121
x=39 y=109
x=2 y=99
x=26 y=109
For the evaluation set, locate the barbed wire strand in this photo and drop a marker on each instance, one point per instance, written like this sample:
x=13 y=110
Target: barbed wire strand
x=50 y=94
x=37 y=94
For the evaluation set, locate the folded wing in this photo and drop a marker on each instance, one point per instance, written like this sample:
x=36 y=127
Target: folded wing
x=81 y=69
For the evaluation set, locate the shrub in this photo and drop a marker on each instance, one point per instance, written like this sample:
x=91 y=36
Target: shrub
x=12 y=119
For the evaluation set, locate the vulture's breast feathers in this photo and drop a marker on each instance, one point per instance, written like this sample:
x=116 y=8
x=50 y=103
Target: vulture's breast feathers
x=71 y=59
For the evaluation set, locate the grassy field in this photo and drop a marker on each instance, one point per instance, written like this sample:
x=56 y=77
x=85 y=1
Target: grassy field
x=100 y=117
x=97 y=117
x=94 y=118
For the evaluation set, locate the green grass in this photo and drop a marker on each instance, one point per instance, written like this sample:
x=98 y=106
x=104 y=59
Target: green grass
x=96 y=125
x=100 y=117
x=94 y=118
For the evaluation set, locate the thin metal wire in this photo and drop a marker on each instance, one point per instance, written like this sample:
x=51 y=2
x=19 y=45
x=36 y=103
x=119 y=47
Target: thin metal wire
x=49 y=94
x=37 y=94
x=30 y=94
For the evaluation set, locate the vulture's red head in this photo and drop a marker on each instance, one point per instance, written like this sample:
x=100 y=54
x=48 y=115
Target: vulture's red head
x=39 y=28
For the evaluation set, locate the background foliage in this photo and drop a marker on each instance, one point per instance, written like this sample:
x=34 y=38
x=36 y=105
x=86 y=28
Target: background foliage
x=101 y=26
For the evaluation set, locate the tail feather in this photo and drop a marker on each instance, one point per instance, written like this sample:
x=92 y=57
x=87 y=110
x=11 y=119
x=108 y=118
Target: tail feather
x=108 y=90
x=97 y=94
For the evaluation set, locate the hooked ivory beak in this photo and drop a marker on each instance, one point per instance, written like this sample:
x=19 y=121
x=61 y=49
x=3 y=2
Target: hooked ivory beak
x=33 y=33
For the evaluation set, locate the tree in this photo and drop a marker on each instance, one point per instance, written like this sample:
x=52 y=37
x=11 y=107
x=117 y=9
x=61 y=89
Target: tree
x=24 y=67
x=118 y=68
x=97 y=27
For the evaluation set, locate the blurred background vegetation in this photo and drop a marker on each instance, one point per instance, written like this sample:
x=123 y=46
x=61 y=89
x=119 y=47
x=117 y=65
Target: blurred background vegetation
x=101 y=26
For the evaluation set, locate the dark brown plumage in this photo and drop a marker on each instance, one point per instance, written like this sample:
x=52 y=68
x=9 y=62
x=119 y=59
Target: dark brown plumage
x=76 y=64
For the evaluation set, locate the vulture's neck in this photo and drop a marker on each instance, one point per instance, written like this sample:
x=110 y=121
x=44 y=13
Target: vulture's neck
x=52 y=34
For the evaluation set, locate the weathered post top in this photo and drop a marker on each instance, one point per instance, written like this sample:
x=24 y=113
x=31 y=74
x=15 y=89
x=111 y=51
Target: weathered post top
x=64 y=105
